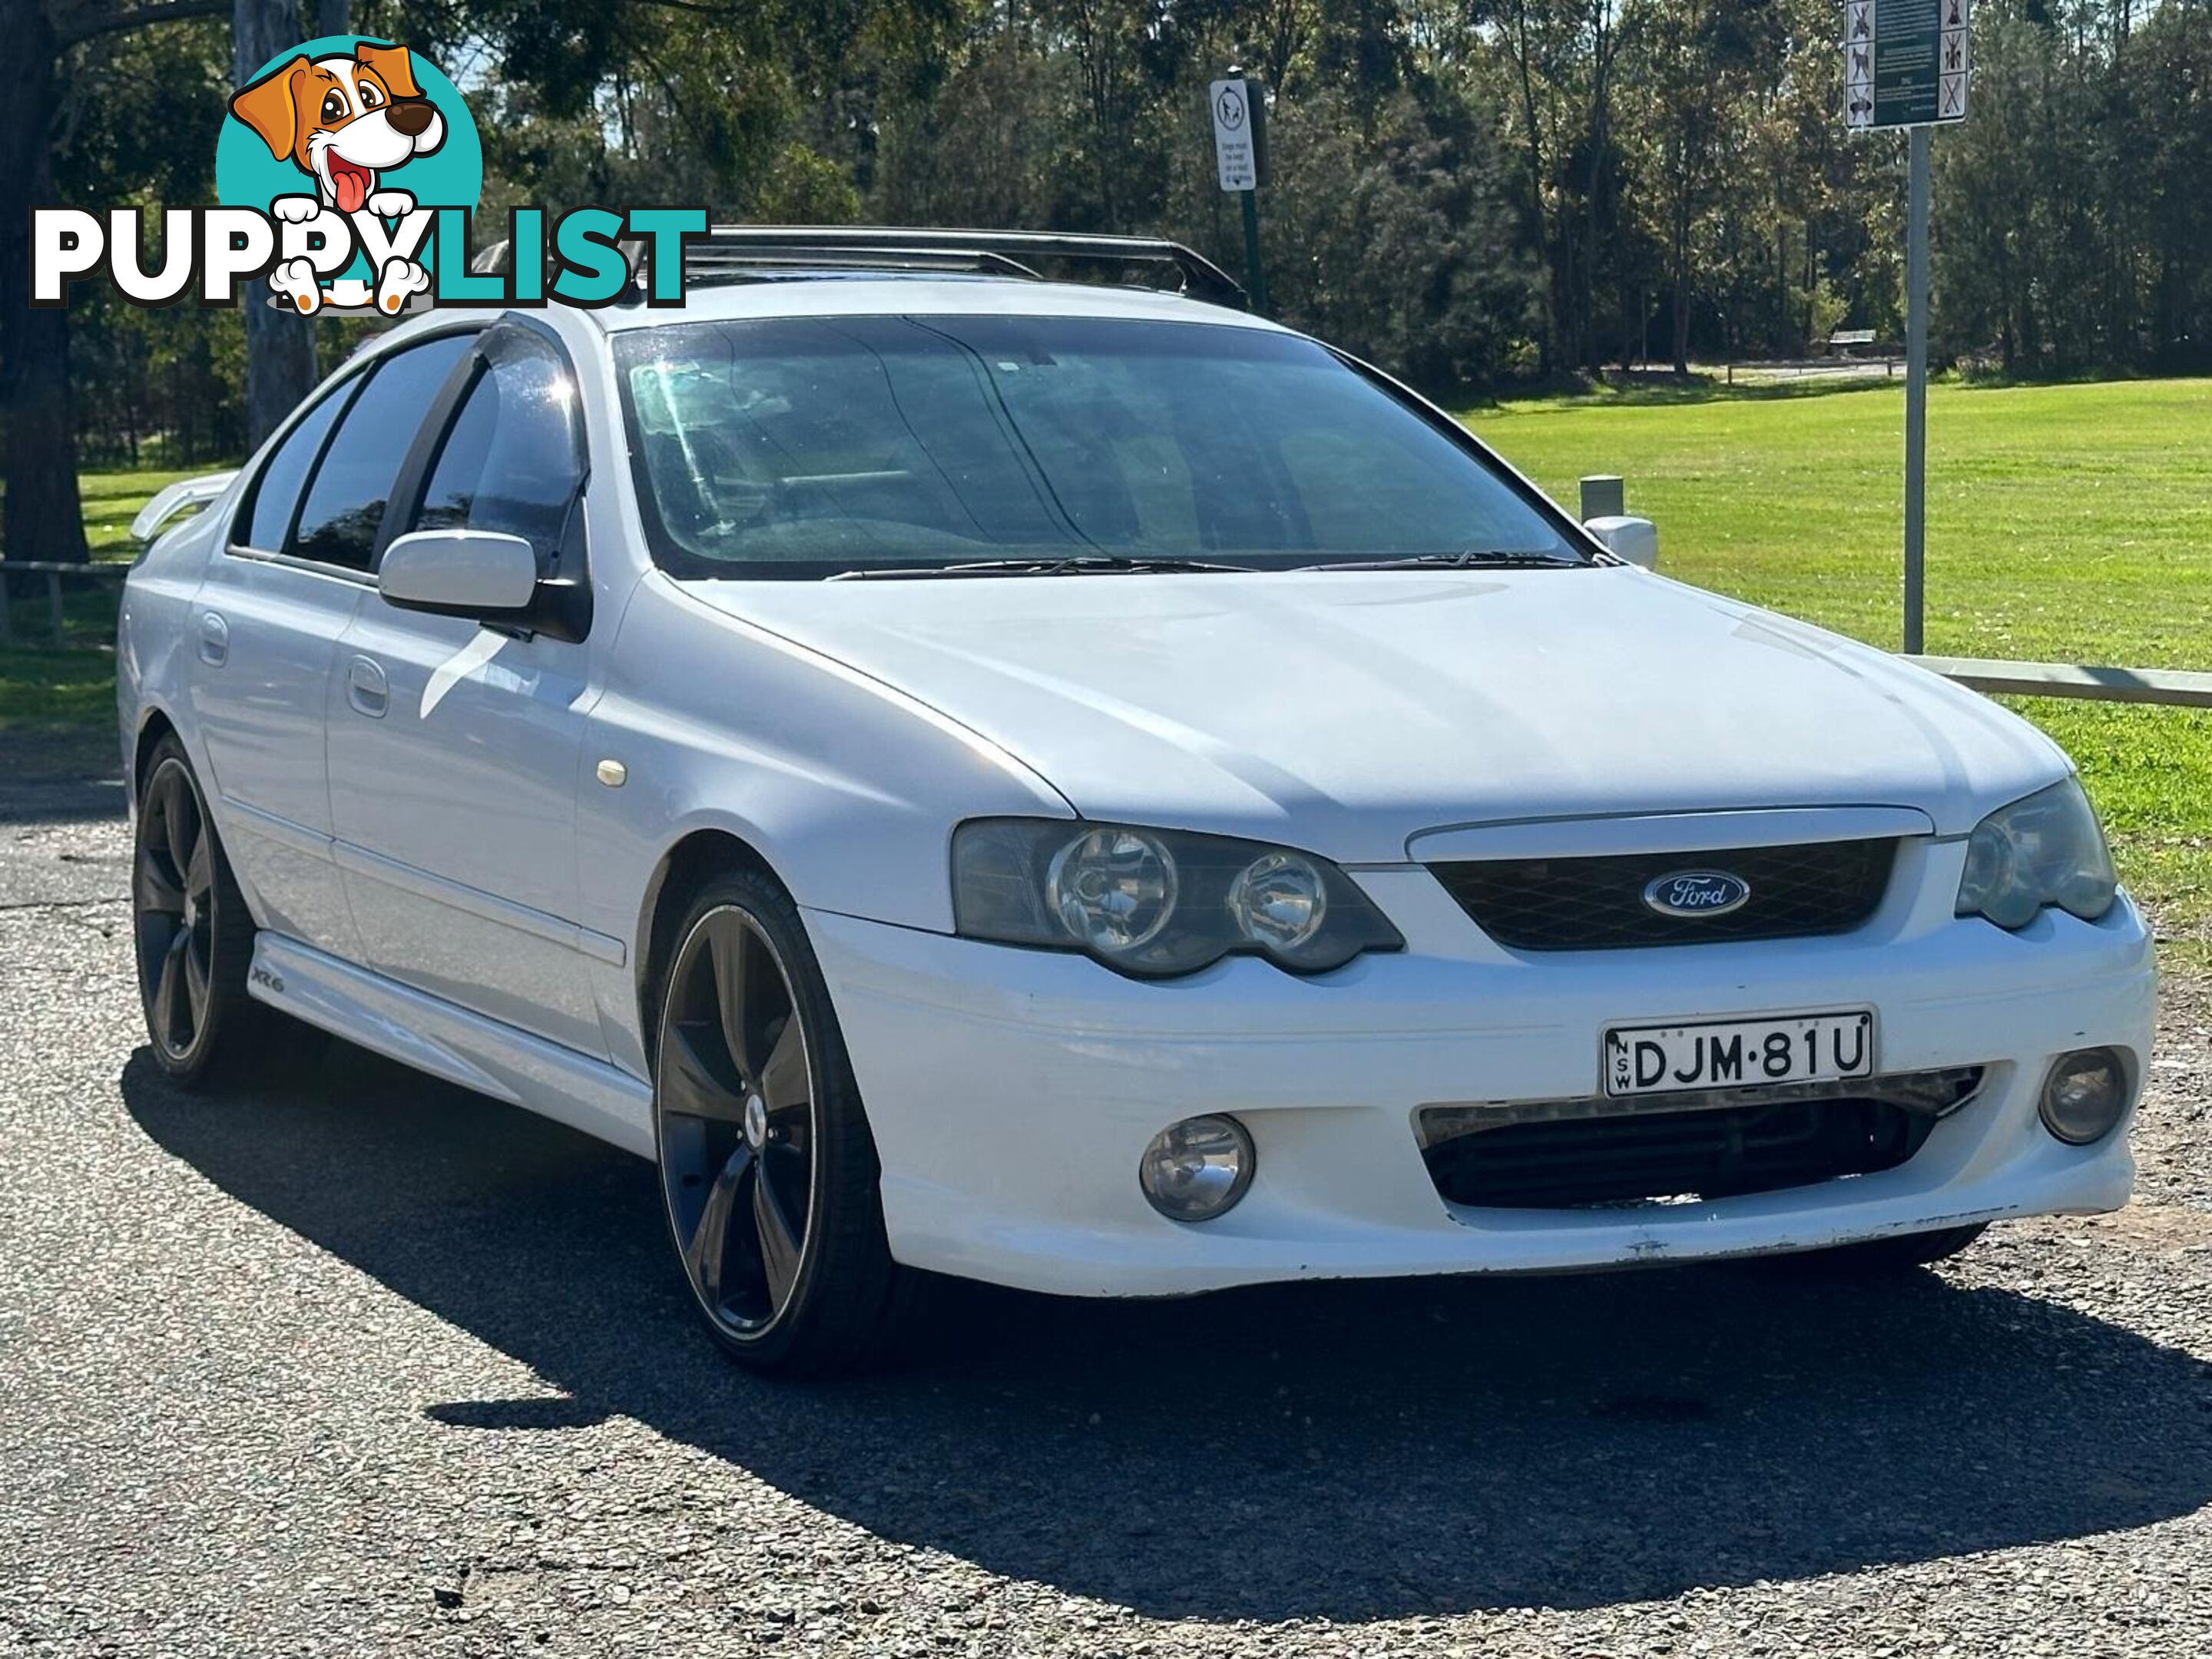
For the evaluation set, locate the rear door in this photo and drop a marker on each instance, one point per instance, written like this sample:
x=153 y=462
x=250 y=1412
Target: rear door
x=455 y=746
x=266 y=626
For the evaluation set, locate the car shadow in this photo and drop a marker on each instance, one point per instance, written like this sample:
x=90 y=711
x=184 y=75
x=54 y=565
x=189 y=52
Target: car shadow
x=1343 y=1451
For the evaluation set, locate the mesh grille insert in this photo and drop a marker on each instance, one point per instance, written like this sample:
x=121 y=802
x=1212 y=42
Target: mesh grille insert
x=1597 y=904
x=1709 y=1153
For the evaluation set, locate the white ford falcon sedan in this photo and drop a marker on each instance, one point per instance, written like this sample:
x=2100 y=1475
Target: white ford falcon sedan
x=1079 y=787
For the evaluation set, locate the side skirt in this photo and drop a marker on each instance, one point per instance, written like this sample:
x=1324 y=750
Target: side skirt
x=431 y=1035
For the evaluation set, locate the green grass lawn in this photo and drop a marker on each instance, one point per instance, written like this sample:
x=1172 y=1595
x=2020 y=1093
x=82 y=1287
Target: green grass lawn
x=66 y=692
x=42 y=690
x=2067 y=523
x=111 y=499
x=2064 y=523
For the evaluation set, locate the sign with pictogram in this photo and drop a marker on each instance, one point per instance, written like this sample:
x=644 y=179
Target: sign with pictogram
x=1906 y=62
x=1238 y=116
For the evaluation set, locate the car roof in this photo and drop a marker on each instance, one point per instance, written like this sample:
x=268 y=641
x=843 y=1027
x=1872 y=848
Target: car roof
x=830 y=292
x=787 y=293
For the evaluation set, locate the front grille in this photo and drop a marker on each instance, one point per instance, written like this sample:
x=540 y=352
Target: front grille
x=1597 y=904
x=1622 y=1153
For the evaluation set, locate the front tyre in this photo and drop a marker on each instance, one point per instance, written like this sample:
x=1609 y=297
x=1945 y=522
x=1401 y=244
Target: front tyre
x=193 y=940
x=767 y=1166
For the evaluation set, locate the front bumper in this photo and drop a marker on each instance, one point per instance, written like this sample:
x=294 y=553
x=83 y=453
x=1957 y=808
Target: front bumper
x=1012 y=1092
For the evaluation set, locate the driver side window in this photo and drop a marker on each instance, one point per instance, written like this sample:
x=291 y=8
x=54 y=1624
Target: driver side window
x=512 y=460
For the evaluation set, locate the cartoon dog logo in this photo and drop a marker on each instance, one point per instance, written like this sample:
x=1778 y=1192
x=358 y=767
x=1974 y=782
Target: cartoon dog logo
x=344 y=121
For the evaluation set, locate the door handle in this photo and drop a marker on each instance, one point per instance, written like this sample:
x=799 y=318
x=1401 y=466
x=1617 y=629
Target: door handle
x=366 y=689
x=215 y=638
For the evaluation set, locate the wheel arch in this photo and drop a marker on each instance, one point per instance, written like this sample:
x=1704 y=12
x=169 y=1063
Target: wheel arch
x=154 y=724
x=697 y=856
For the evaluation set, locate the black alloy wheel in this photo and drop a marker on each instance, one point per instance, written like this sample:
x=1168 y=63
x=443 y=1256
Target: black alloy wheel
x=192 y=936
x=737 y=1122
x=173 y=888
x=768 y=1169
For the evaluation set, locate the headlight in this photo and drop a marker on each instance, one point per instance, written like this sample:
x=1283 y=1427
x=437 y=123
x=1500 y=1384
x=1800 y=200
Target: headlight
x=1158 y=902
x=2046 y=849
x=1113 y=889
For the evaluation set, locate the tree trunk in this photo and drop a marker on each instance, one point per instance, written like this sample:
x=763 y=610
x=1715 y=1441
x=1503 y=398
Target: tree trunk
x=1682 y=287
x=44 y=518
x=280 y=345
x=1600 y=139
x=1812 y=287
x=1550 y=347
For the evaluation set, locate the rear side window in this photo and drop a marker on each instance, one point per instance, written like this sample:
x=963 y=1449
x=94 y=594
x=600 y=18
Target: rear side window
x=277 y=491
x=344 y=505
x=511 y=462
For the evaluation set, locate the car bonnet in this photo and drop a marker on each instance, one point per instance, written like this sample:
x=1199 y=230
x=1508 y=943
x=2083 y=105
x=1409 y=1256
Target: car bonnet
x=1346 y=712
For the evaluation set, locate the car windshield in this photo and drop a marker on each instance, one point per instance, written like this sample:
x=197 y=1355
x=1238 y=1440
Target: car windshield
x=818 y=446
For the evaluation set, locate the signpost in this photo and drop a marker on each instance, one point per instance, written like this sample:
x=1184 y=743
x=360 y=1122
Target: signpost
x=1240 y=155
x=1905 y=66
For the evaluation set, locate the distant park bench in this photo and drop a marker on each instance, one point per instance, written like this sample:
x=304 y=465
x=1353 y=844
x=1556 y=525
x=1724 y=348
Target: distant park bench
x=1860 y=342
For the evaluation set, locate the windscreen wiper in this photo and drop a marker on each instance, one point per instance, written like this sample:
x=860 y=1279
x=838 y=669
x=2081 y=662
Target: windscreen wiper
x=1075 y=564
x=1466 y=559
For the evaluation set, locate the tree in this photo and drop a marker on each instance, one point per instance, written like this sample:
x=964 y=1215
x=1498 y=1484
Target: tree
x=138 y=109
x=1701 y=63
x=280 y=344
x=44 y=516
x=1406 y=244
x=1466 y=191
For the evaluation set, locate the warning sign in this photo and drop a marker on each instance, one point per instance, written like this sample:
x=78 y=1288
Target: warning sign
x=1236 y=151
x=1906 y=62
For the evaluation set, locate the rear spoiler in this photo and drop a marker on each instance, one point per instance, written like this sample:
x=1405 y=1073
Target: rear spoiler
x=185 y=495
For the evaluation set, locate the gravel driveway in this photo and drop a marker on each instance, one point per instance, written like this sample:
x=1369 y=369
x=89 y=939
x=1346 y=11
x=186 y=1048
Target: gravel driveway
x=375 y=1366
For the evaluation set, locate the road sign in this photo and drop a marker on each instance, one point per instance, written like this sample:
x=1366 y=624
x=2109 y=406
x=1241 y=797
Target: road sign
x=1905 y=63
x=1240 y=155
x=1235 y=150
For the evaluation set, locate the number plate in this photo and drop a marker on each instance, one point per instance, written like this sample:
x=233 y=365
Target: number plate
x=1650 y=1060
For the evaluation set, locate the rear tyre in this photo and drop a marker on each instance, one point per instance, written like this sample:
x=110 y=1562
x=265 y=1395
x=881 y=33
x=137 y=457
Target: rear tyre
x=193 y=941
x=769 y=1172
x=1905 y=1250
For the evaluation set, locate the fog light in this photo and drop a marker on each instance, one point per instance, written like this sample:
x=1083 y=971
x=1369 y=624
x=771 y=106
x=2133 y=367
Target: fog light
x=2085 y=1095
x=1198 y=1169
